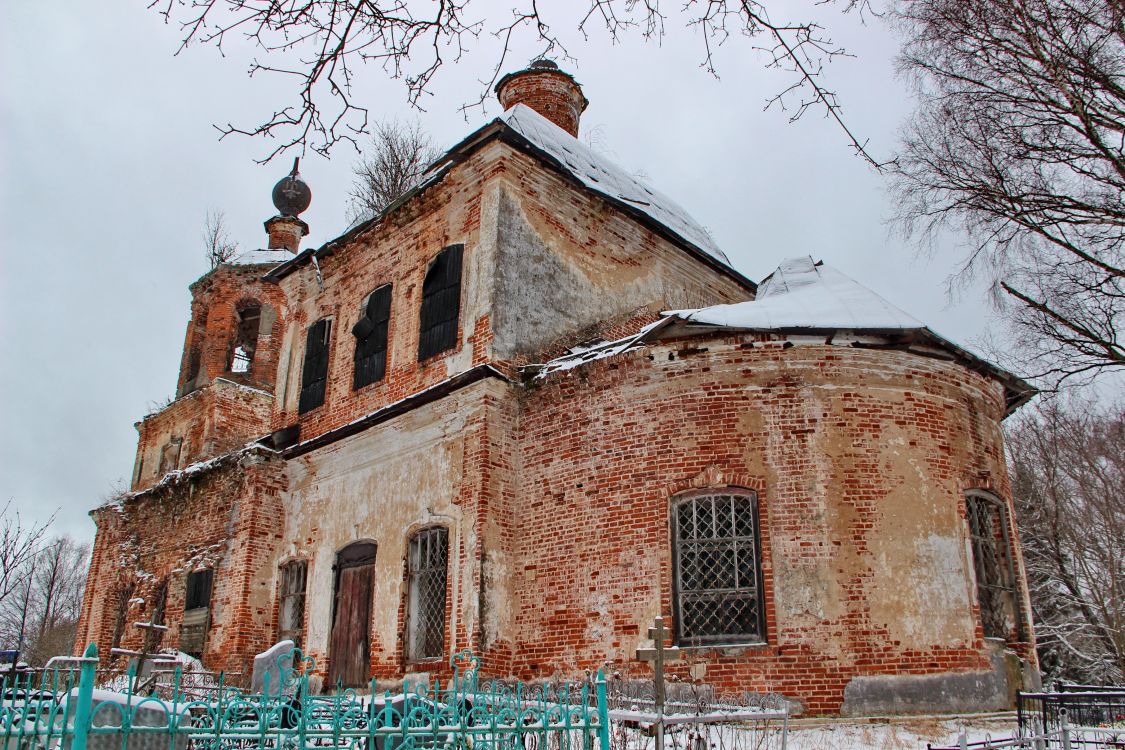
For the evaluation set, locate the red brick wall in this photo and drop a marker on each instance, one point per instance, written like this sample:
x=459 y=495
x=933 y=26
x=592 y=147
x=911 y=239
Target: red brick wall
x=225 y=519
x=845 y=448
x=553 y=94
x=214 y=318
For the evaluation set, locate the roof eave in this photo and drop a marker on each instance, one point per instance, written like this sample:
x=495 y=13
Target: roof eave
x=498 y=128
x=1017 y=391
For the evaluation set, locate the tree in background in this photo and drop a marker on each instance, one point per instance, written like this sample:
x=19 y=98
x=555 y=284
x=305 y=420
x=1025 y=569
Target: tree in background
x=1019 y=142
x=398 y=156
x=318 y=44
x=217 y=244
x=42 y=582
x=1068 y=481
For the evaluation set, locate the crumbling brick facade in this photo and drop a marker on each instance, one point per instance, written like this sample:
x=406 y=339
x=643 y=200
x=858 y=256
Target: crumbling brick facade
x=555 y=485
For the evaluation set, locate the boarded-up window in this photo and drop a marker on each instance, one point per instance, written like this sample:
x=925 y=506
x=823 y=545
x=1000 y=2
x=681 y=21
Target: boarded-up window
x=170 y=455
x=992 y=563
x=314 y=375
x=245 y=338
x=371 y=338
x=350 y=654
x=441 y=303
x=291 y=601
x=717 y=569
x=426 y=576
x=197 y=612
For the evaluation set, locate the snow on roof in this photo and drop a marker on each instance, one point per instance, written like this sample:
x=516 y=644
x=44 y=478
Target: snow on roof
x=255 y=257
x=804 y=294
x=800 y=294
x=603 y=176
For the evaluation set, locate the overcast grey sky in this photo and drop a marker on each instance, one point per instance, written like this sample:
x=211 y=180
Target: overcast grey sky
x=109 y=163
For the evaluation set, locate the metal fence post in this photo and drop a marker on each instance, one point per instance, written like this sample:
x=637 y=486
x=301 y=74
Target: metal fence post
x=85 y=700
x=603 y=712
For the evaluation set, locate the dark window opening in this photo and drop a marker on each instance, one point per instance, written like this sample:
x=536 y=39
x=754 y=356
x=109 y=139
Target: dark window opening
x=314 y=375
x=245 y=338
x=153 y=636
x=192 y=373
x=426 y=584
x=992 y=563
x=170 y=456
x=120 y=615
x=371 y=338
x=198 y=593
x=441 y=303
x=291 y=601
x=717 y=570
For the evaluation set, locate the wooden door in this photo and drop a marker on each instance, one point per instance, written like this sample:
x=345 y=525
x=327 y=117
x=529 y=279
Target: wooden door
x=351 y=623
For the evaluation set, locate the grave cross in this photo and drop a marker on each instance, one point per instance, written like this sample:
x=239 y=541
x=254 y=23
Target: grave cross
x=144 y=655
x=659 y=654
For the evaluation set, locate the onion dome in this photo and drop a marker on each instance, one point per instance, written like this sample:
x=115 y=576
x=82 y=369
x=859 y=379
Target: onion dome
x=292 y=195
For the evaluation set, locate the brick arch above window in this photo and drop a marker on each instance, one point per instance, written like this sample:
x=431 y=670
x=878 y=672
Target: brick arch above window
x=714 y=477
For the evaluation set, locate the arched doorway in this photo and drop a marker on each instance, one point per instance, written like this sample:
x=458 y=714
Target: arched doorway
x=350 y=647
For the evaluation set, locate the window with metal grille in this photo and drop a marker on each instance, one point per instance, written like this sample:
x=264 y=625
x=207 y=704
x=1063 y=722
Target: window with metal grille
x=314 y=375
x=198 y=594
x=441 y=303
x=426 y=573
x=291 y=601
x=371 y=338
x=992 y=563
x=717 y=569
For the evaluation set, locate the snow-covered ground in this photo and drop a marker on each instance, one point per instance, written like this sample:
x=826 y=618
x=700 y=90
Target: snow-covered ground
x=893 y=734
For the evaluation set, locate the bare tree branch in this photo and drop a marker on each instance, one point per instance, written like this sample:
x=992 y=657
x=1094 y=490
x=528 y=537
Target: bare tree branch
x=1019 y=143
x=318 y=43
x=399 y=154
x=1068 y=472
x=217 y=244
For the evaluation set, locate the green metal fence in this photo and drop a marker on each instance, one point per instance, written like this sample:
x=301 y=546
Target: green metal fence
x=61 y=709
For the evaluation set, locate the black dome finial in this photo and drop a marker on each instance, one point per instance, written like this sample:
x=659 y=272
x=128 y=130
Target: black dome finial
x=292 y=195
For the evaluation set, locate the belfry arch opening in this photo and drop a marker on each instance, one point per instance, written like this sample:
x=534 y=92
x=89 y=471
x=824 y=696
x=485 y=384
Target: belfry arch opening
x=248 y=321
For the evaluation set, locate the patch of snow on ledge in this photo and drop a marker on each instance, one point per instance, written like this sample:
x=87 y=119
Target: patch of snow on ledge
x=257 y=257
x=805 y=294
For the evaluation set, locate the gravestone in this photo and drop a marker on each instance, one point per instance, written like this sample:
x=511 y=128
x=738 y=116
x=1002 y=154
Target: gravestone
x=148 y=721
x=270 y=668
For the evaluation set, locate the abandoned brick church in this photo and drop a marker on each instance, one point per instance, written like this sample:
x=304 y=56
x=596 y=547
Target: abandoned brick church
x=531 y=406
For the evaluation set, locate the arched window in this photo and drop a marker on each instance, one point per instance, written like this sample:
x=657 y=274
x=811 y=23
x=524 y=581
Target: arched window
x=120 y=614
x=717 y=570
x=992 y=564
x=245 y=337
x=314 y=374
x=153 y=636
x=371 y=338
x=441 y=303
x=426 y=565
